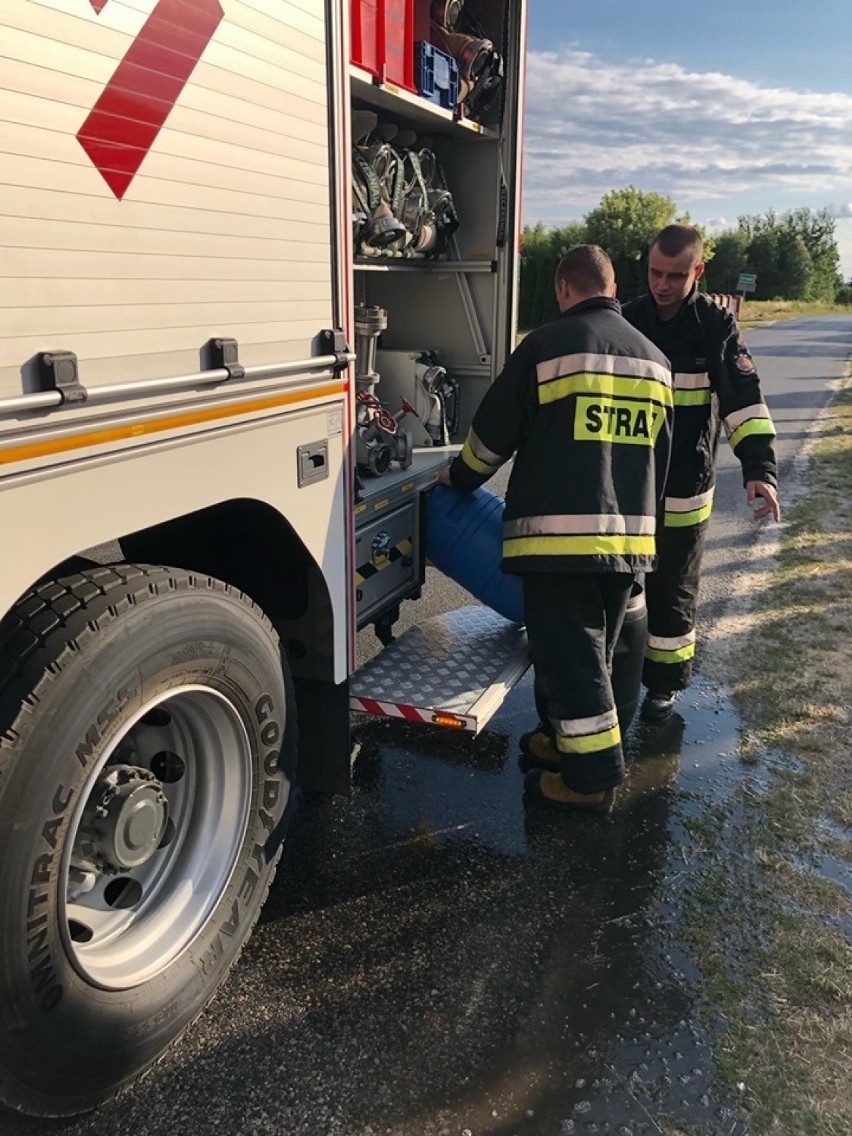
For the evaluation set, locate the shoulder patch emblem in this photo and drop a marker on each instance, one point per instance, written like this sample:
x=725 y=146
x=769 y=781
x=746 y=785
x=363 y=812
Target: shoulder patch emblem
x=744 y=363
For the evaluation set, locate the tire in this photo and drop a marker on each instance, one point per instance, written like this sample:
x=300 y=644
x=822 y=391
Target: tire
x=147 y=742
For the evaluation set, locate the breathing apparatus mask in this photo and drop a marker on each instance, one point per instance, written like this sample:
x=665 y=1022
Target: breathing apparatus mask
x=401 y=203
x=456 y=32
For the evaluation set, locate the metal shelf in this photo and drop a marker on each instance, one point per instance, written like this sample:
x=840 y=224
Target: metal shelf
x=385 y=493
x=392 y=264
x=410 y=109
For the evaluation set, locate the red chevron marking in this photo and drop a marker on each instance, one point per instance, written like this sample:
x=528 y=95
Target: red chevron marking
x=134 y=105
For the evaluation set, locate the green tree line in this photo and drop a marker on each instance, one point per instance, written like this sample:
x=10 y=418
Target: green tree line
x=794 y=255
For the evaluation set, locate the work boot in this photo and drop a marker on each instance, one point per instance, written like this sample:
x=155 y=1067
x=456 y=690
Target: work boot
x=538 y=752
x=658 y=705
x=550 y=789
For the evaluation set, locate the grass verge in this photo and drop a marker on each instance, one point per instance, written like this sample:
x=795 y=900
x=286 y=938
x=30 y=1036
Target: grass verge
x=757 y=312
x=770 y=921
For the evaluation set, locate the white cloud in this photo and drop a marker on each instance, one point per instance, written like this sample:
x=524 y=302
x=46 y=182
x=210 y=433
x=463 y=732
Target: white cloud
x=841 y=210
x=696 y=137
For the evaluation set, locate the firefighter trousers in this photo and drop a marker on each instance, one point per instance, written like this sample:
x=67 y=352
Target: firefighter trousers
x=671 y=593
x=573 y=621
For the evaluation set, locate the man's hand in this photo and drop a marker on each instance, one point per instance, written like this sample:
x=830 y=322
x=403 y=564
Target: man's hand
x=770 y=499
x=444 y=476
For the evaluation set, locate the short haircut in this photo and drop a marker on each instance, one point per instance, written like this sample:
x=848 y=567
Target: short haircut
x=677 y=239
x=588 y=269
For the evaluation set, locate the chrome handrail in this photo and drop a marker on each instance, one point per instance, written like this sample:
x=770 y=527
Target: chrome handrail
x=40 y=400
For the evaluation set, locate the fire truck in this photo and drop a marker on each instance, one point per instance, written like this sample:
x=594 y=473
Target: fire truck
x=258 y=267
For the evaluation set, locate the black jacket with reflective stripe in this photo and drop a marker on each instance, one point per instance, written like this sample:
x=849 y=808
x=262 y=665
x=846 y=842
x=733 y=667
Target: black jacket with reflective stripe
x=585 y=404
x=716 y=382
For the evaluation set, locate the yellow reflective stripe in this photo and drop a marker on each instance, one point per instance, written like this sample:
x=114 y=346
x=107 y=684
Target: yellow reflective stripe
x=591 y=743
x=599 y=545
x=692 y=398
x=751 y=427
x=470 y=459
x=680 y=655
x=614 y=386
x=684 y=520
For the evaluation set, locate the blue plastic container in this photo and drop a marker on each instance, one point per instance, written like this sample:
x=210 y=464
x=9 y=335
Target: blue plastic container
x=436 y=75
x=464 y=539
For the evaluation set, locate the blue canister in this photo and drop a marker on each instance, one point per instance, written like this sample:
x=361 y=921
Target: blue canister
x=464 y=539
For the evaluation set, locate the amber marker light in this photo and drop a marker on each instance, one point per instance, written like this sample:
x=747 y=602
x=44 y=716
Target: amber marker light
x=448 y=720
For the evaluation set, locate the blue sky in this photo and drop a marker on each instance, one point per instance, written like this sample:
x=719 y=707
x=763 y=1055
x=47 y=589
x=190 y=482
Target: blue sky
x=726 y=107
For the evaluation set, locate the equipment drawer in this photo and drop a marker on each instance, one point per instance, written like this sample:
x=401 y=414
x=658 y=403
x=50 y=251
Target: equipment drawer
x=387 y=556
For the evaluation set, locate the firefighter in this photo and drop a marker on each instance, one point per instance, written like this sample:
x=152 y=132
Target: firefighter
x=585 y=405
x=714 y=379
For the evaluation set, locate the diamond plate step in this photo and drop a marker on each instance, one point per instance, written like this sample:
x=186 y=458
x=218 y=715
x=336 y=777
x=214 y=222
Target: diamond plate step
x=451 y=670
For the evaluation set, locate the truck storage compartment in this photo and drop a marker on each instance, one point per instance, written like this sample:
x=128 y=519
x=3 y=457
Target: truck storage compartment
x=452 y=302
x=435 y=262
x=386 y=559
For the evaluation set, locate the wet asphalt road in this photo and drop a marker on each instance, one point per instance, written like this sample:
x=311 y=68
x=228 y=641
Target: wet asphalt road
x=435 y=959
x=798 y=363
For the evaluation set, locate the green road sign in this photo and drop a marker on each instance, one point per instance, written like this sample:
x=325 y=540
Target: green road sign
x=746 y=282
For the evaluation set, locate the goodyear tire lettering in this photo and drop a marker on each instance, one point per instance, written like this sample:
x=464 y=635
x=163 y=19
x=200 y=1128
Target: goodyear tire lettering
x=127 y=638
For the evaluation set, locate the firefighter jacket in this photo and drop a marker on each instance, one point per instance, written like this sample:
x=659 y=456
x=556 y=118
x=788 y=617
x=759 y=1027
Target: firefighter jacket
x=714 y=378
x=585 y=404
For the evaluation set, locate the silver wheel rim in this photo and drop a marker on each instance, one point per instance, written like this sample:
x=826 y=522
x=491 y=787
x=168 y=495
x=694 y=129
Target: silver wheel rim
x=155 y=837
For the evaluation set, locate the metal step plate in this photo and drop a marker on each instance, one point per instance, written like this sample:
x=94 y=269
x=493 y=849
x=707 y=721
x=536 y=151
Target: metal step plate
x=451 y=670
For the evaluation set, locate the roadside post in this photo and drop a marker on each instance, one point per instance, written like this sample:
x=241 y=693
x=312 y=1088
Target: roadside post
x=747 y=282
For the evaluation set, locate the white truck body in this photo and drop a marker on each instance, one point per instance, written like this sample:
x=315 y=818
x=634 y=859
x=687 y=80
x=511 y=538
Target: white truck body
x=178 y=289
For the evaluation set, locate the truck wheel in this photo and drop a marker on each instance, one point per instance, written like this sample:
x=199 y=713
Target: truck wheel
x=147 y=742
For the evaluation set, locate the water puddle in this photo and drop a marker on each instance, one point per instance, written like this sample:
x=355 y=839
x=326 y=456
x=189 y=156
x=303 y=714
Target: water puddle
x=438 y=959
x=545 y=990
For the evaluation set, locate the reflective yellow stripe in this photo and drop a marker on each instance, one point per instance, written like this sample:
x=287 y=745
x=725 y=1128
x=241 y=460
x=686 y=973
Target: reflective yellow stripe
x=140 y=430
x=591 y=743
x=613 y=385
x=684 y=520
x=692 y=398
x=599 y=545
x=751 y=427
x=470 y=459
x=677 y=656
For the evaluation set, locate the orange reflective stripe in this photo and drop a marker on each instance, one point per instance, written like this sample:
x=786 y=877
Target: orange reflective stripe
x=157 y=425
